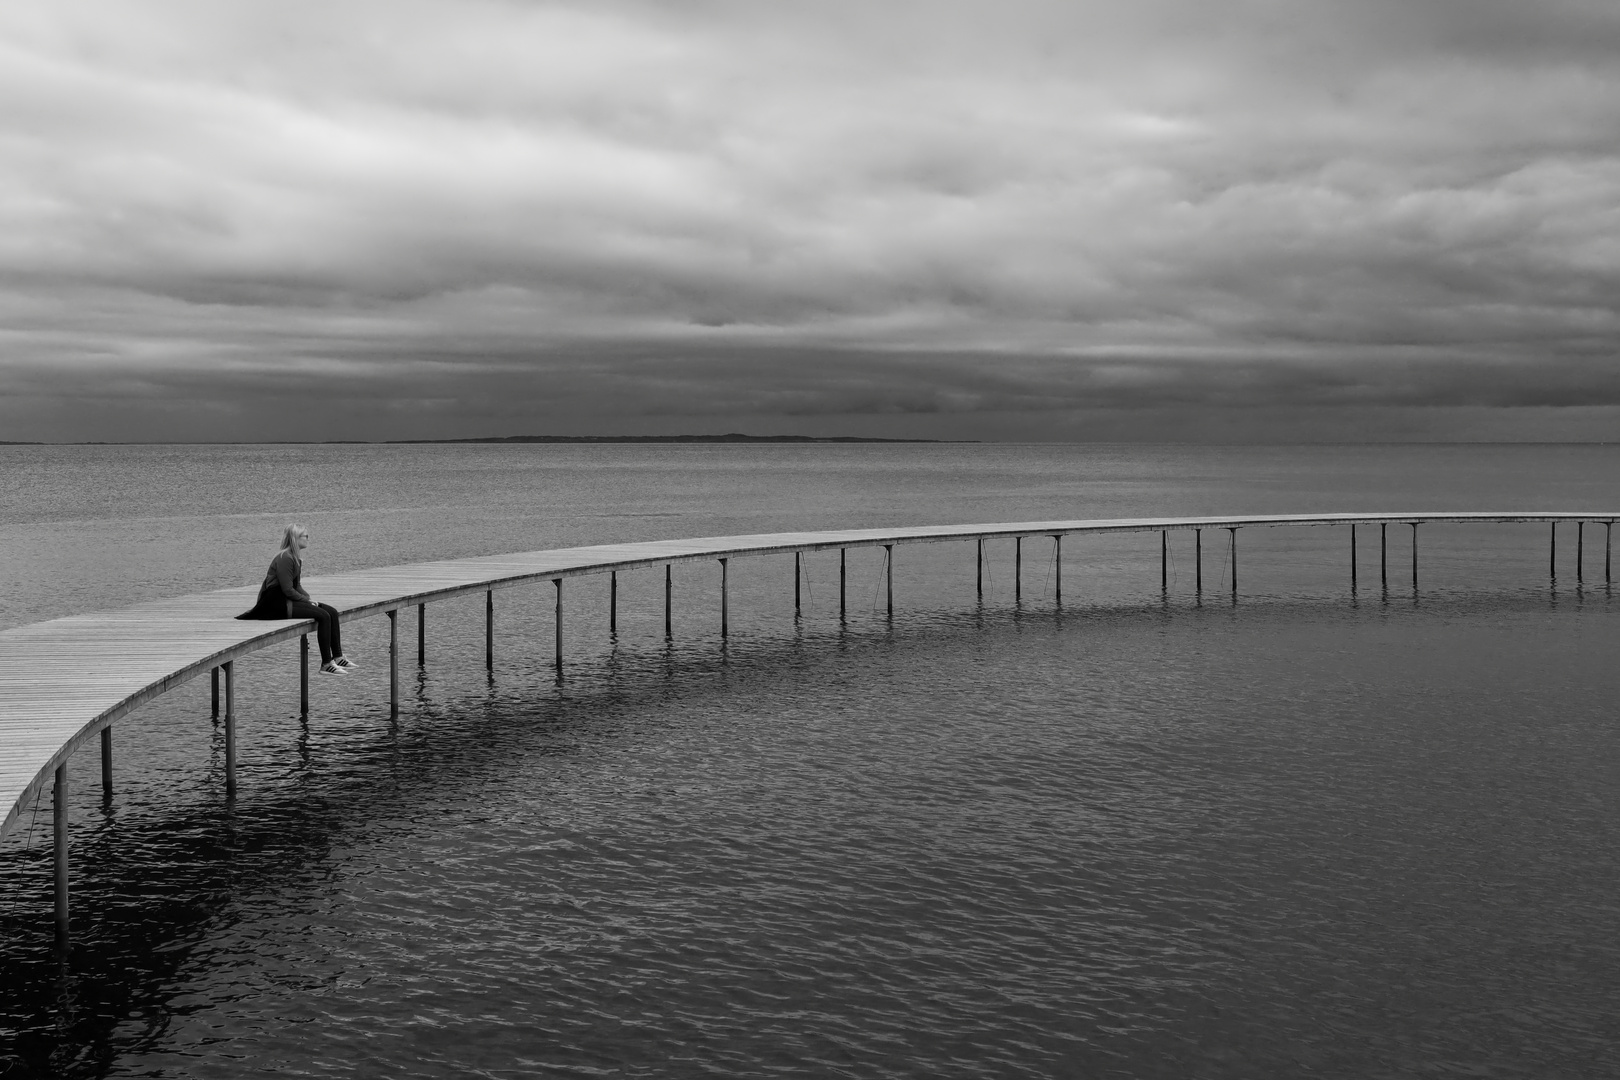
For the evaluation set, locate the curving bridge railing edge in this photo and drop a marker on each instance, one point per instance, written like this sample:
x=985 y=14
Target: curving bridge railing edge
x=64 y=681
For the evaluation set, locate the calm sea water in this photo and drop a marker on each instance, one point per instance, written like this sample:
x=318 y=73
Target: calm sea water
x=1302 y=832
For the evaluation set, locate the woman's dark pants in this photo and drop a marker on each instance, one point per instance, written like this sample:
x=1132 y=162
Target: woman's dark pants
x=326 y=626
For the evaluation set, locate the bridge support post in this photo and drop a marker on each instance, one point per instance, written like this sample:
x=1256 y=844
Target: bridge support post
x=393 y=664
x=669 y=601
x=216 y=693
x=843 y=578
x=888 y=567
x=1414 y=556
x=489 y=629
x=59 y=814
x=557 y=630
x=725 y=615
x=230 y=730
x=1164 y=560
x=106 y=762
x=1233 y=531
x=1057 y=568
x=421 y=635
x=303 y=676
x=1383 y=555
x=613 y=604
x=1352 y=558
x=1018 y=570
x=1580 y=552
x=798 y=559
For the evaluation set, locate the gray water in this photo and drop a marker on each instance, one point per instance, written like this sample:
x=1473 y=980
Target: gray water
x=1303 y=831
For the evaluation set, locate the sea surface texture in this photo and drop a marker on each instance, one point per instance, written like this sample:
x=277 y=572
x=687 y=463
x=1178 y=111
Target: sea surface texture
x=1296 y=829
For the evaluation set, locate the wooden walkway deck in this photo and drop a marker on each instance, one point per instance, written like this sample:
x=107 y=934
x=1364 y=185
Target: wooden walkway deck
x=62 y=681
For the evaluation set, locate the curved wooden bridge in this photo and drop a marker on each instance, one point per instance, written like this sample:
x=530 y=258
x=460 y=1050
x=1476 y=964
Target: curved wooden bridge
x=67 y=681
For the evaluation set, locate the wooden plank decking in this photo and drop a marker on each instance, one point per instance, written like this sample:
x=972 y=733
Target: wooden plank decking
x=62 y=681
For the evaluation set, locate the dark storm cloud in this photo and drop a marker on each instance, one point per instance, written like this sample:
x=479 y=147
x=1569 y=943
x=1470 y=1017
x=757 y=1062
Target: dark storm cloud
x=502 y=216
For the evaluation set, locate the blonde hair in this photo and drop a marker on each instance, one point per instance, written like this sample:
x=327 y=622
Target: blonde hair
x=289 y=542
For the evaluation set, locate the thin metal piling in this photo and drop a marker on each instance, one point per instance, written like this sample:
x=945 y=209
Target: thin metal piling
x=557 y=635
x=106 y=762
x=1164 y=560
x=1552 y=550
x=393 y=664
x=843 y=577
x=979 y=566
x=216 y=694
x=1018 y=569
x=1383 y=555
x=421 y=635
x=1352 y=558
x=230 y=730
x=1414 y=556
x=303 y=675
x=1057 y=568
x=725 y=616
x=613 y=604
x=1198 y=561
x=489 y=629
x=1580 y=552
x=1233 y=531
x=888 y=565
x=798 y=577
x=59 y=810
x=1608 y=529
x=669 y=601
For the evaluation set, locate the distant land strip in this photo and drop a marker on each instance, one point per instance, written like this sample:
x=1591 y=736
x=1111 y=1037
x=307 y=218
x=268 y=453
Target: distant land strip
x=731 y=437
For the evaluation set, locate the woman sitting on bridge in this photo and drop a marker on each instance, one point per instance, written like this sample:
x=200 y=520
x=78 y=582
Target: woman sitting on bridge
x=282 y=596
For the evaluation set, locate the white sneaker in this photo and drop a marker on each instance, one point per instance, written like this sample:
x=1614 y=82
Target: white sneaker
x=331 y=668
x=345 y=662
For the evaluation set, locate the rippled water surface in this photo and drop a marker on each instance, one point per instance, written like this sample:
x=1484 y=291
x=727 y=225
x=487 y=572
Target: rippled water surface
x=1301 y=832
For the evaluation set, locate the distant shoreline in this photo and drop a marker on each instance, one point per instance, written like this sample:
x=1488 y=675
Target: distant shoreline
x=731 y=437
x=746 y=439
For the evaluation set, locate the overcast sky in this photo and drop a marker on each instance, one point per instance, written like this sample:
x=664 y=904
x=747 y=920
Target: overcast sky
x=1154 y=219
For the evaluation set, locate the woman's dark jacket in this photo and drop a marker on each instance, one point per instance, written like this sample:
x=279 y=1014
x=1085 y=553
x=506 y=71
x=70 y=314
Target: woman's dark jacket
x=281 y=584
